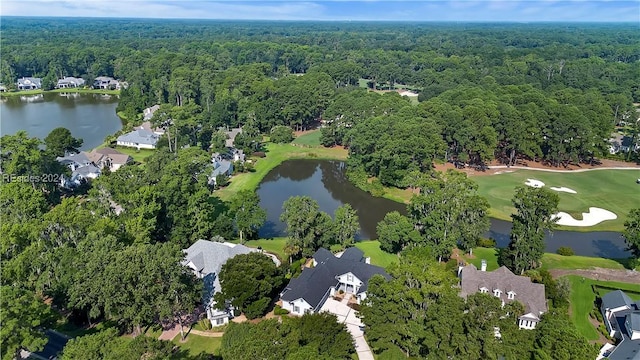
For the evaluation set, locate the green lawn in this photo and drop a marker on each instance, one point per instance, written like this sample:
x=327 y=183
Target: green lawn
x=274 y=246
x=74 y=90
x=549 y=261
x=371 y=248
x=137 y=155
x=583 y=297
x=309 y=139
x=613 y=190
x=196 y=345
x=20 y=93
x=276 y=154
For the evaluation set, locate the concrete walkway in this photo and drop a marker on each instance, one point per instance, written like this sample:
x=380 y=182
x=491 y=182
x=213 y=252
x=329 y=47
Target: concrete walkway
x=170 y=334
x=348 y=316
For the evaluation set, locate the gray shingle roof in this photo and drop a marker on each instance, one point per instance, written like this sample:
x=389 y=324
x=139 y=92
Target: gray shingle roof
x=209 y=256
x=353 y=253
x=139 y=136
x=616 y=299
x=531 y=295
x=624 y=321
x=79 y=159
x=314 y=282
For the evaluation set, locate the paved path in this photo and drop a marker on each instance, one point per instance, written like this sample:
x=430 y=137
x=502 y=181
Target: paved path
x=347 y=316
x=170 y=334
x=563 y=171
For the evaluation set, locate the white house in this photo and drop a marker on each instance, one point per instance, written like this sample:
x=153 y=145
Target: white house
x=621 y=317
x=350 y=273
x=69 y=82
x=29 y=83
x=206 y=258
x=82 y=169
x=508 y=287
x=139 y=139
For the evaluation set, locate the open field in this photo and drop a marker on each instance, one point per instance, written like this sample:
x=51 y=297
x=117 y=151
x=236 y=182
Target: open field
x=276 y=154
x=549 y=261
x=196 y=345
x=311 y=138
x=583 y=297
x=613 y=190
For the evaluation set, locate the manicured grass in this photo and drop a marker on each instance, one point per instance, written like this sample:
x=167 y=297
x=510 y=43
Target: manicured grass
x=276 y=154
x=371 y=248
x=137 y=155
x=549 y=261
x=274 y=246
x=583 y=300
x=196 y=345
x=613 y=190
x=309 y=139
x=21 y=93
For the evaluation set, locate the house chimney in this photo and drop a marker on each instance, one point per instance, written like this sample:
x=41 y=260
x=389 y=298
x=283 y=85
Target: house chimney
x=483 y=266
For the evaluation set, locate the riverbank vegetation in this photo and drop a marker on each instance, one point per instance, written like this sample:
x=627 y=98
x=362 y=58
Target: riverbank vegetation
x=69 y=90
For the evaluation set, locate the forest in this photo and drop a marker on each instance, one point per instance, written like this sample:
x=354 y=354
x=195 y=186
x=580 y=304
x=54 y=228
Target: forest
x=505 y=92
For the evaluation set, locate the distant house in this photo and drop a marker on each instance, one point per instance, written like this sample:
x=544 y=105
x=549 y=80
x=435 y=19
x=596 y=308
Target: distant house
x=148 y=112
x=350 y=273
x=621 y=317
x=29 y=83
x=106 y=83
x=82 y=169
x=221 y=166
x=147 y=126
x=206 y=258
x=69 y=82
x=109 y=158
x=622 y=144
x=139 y=139
x=3 y=88
x=231 y=136
x=508 y=287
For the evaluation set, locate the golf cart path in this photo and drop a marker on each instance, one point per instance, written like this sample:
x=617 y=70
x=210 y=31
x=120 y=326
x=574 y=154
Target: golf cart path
x=563 y=171
x=627 y=276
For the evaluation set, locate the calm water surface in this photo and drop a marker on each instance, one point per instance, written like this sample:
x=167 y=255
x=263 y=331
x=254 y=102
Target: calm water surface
x=91 y=117
x=326 y=182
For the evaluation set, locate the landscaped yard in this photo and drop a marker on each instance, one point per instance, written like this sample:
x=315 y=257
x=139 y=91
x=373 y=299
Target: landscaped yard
x=276 y=154
x=196 y=345
x=583 y=298
x=137 y=155
x=613 y=190
x=549 y=261
x=274 y=246
x=371 y=248
x=311 y=138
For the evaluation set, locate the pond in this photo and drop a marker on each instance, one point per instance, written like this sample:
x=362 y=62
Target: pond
x=326 y=182
x=91 y=117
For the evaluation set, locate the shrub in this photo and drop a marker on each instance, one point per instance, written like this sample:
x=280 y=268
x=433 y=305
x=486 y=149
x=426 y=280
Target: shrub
x=565 y=251
x=278 y=310
x=205 y=324
x=281 y=134
x=487 y=242
x=257 y=308
x=259 y=154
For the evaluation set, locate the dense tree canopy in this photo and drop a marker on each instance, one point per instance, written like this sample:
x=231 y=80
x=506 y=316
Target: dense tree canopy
x=632 y=232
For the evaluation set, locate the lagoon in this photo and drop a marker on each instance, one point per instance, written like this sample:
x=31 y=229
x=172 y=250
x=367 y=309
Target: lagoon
x=91 y=117
x=326 y=182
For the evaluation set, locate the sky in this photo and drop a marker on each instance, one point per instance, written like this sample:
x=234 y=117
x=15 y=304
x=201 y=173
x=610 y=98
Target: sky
x=364 y=10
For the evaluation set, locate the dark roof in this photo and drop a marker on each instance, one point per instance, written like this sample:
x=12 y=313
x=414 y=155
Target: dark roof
x=352 y=253
x=616 y=299
x=314 y=282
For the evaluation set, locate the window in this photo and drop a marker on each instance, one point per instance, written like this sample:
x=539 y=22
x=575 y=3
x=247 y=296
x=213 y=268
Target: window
x=511 y=295
x=349 y=277
x=296 y=309
x=497 y=293
x=219 y=321
x=484 y=290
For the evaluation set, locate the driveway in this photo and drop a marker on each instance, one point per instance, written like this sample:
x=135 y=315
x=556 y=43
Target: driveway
x=348 y=316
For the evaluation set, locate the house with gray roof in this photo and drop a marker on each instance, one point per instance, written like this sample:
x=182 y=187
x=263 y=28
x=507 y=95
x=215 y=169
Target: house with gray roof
x=231 y=135
x=82 y=169
x=106 y=83
x=621 y=316
x=109 y=158
x=221 y=166
x=69 y=82
x=139 y=139
x=3 y=88
x=205 y=258
x=508 y=287
x=29 y=83
x=350 y=272
x=148 y=112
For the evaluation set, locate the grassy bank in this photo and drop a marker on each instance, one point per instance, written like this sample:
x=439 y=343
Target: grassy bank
x=583 y=297
x=199 y=346
x=549 y=261
x=613 y=190
x=72 y=90
x=276 y=154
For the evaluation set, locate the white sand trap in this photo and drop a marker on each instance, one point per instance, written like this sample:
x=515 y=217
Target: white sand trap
x=534 y=183
x=593 y=217
x=563 y=189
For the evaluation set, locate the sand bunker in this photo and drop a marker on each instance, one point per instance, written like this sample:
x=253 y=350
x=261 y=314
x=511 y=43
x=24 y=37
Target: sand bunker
x=593 y=217
x=534 y=183
x=563 y=189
